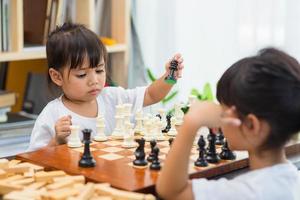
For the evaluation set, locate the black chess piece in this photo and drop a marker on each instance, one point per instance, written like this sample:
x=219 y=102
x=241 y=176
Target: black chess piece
x=171 y=141
x=220 y=138
x=158 y=115
x=140 y=153
x=151 y=155
x=168 y=127
x=211 y=155
x=209 y=136
x=155 y=165
x=226 y=153
x=171 y=79
x=201 y=161
x=87 y=159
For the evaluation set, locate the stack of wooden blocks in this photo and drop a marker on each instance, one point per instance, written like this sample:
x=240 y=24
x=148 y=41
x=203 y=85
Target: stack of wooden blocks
x=23 y=180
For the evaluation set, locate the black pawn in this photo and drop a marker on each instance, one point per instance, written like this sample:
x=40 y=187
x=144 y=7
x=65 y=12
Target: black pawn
x=155 y=165
x=140 y=153
x=220 y=138
x=171 y=141
x=211 y=154
x=226 y=153
x=201 y=161
x=151 y=155
x=87 y=159
x=168 y=127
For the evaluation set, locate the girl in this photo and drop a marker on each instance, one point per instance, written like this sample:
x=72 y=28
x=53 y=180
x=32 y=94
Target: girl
x=77 y=64
x=259 y=111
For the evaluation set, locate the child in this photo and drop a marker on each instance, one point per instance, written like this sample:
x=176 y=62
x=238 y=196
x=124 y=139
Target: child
x=77 y=64
x=259 y=111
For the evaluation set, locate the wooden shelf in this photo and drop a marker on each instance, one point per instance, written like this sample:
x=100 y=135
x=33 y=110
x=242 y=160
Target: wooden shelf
x=32 y=53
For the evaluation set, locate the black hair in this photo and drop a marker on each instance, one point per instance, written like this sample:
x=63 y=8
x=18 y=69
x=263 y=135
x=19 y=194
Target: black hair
x=70 y=43
x=268 y=86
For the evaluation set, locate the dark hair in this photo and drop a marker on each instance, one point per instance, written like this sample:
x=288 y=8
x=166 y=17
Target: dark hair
x=268 y=86
x=70 y=43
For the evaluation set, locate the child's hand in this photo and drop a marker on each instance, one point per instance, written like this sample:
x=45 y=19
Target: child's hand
x=180 y=66
x=62 y=129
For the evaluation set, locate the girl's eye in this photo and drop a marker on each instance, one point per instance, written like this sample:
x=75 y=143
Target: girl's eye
x=99 y=71
x=80 y=75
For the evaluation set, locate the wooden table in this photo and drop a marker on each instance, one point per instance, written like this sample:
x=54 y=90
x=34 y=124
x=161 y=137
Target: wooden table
x=121 y=176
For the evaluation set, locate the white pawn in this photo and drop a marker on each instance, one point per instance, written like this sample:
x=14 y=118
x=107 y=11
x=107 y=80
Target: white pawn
x=172 y=131
x=100 y=126
x=179 y=114
x=158 y=129
x=139 y=122
x=118 y=131
x=73 y=139
x=148 y=136
x=128 y=141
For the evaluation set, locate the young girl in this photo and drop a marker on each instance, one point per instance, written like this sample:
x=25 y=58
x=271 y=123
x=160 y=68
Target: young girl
x=77 y=64
x=259 y=111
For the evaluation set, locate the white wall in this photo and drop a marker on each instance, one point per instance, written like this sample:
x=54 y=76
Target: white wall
x=213 y=34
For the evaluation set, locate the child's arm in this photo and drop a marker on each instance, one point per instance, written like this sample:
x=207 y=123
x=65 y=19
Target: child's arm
x=62 y=131
x=159 y=88
x=173 y=181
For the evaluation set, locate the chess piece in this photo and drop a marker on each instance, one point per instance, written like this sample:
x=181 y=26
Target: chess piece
x=140 y=153
x=100 y=136
x=87 y=159
x=118 y=131
x=211 y=155
x=201 y=161
x=128 y=141
x=171 y=79
x=155 y=165
x=179 y=114
x=162 y=115
x=73 y=139
x=158 y=135
x=226 y=153
x=151 y=155
x=168 y=126
x=172 y=131
x=220 y=138
x=139 y=122
x=171 y=141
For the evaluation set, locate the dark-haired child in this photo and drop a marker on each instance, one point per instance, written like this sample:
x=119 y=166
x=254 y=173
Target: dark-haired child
x=77 y=64
x=259 y=111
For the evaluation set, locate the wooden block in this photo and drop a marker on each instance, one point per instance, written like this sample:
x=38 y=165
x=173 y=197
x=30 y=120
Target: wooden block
x=16 y=195
x=29 y=174
x=48 y=176
x=87 y=192
x=12 y=178
x=17 y=169
x=25 y=181
x=3 y=163
x=35 y=186
x=60 y=184
x=60 y=194
x=13 y=163
x=75 y=179
x=35 y=168
x=6 y=187
x=3 y=174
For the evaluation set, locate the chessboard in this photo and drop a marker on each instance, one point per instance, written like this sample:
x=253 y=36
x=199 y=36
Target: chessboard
x=114 y=163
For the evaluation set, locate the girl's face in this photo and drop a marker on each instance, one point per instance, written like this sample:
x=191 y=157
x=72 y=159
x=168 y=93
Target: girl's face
x=84 y=84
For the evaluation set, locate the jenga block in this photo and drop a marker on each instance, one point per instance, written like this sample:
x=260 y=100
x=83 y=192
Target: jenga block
x=16 y=195
x=35 y=186
x=25 y=181
x=124 y=195
x=87 y=192
x=13 y=163
x=3 y=174
x=48 y=176
x=76 y=179
x=60 y=194
x=17 y=169
x=6 y=187
x=24 y=194
x=35 y=168
x=60 y=184
x=3 y=163
x=29 y=174
x=12 y=178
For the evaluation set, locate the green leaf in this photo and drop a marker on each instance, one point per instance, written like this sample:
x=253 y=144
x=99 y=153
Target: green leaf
x=196 y=93
x=150 y=75
x=169 y=97
x=207 y=92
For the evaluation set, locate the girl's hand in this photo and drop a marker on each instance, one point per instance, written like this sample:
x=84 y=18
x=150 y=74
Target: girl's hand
x=62 y=129
x=180 y=66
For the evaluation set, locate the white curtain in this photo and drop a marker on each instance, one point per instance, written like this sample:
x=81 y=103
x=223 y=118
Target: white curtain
x=214 y=34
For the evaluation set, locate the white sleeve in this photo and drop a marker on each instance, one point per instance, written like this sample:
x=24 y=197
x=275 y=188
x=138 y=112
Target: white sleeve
x=204 y=189
x=43 y=131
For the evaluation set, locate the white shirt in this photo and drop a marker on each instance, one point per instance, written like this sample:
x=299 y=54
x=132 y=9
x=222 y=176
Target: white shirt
x=43 y=130
x=278 y=182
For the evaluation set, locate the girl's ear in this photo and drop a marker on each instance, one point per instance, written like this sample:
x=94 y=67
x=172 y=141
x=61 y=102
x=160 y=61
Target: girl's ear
x=56 y=77
x=252 y=124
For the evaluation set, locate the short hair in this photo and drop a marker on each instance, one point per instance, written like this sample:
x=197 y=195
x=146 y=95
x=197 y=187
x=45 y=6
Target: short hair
x=268 y=86
x=70 y=43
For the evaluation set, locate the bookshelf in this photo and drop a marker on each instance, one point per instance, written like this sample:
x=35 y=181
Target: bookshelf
x=20 y=56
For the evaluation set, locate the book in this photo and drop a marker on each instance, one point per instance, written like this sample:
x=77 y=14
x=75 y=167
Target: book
x=7 y=99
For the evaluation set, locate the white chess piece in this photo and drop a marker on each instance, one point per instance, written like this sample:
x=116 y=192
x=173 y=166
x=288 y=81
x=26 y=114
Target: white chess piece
x=118 y=131
x=73 y=139
x=148 y=136
x=172 y=131
x=139 y=122
x=179 y=114
x=100 y=126
x=128 y=141
x=158 y=129
x=162 y=113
